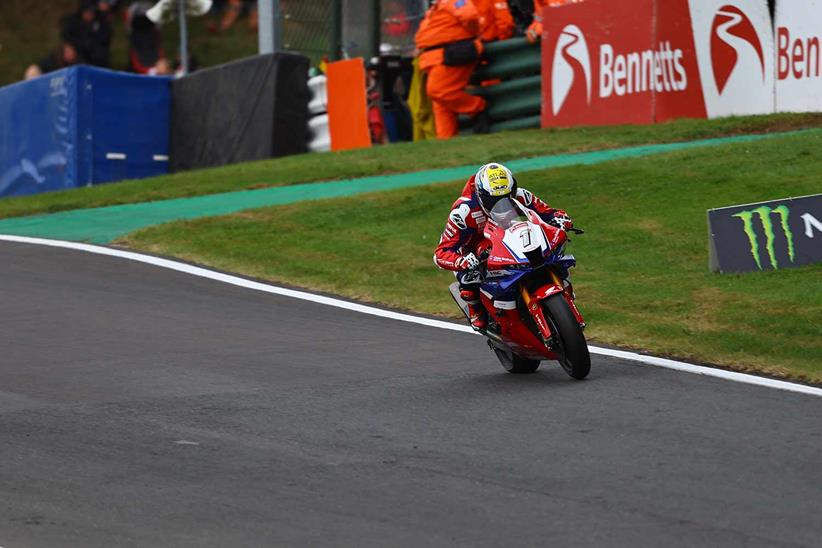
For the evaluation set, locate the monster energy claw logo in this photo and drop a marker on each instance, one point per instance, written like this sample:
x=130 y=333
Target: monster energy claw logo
x=765 y=218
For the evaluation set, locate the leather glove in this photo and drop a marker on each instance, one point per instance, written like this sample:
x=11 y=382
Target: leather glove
x=561 y=220
x=468 y=262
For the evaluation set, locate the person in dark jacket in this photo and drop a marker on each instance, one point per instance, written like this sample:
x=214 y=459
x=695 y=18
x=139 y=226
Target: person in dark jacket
x=90 y=32
x=145 y=44
x=62 y=57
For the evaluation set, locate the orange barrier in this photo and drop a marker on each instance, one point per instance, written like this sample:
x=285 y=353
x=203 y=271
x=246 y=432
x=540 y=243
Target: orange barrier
x=347 y=105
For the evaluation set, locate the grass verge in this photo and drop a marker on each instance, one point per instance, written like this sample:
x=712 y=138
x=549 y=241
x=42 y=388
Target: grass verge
x=642 y=280
x=397 y=158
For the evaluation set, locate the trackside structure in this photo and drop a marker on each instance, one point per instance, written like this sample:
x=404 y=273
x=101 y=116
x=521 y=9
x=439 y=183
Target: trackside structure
x=645 y=61
x=82 y=126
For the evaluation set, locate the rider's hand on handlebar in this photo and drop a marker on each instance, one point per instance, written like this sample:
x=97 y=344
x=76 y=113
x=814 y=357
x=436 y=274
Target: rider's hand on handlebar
x=561 y=220
x=468 y=262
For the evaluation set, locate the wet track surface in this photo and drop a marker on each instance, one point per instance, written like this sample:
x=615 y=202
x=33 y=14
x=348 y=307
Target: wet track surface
x=144 y=407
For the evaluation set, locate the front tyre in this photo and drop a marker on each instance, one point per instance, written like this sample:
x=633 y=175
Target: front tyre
x=571 y=346
x=515 y=364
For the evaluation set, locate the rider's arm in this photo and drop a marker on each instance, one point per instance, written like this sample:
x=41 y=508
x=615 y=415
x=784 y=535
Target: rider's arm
x=529 y=200
x=459 y=229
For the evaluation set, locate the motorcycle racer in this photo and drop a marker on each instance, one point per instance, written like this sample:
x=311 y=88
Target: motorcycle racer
x=463 y=233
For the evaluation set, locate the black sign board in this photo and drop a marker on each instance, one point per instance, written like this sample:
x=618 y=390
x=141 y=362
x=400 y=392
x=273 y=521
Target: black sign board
x=767 y=235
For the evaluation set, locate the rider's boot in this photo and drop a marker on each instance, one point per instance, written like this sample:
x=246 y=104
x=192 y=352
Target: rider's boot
x=476 y=311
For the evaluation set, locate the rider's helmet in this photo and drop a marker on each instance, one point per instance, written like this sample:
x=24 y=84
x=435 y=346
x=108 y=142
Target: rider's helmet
x=492 y=183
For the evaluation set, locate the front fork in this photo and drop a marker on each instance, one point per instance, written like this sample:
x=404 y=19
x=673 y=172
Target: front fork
x=535 y=309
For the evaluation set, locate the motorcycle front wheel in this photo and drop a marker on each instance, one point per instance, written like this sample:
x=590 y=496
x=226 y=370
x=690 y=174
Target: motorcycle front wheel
x=571 y=347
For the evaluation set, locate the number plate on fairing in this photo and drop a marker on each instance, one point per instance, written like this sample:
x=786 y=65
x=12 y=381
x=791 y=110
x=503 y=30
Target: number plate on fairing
x=523 y=238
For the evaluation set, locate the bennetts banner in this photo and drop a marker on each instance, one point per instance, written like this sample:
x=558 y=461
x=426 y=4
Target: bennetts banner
x=766 y=235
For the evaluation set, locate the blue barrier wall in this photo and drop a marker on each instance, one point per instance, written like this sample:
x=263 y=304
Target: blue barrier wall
x=82 y=126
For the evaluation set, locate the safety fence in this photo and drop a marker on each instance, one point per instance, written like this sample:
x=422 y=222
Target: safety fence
x=82 y=126
x=510 y=81
x=344 y=29
x=308 y=27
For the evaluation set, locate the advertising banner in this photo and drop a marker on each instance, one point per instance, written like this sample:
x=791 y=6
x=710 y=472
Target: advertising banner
x=593 y=52
x=734 y=45
x=766 y=235
x=798 y=56
x=674 y=33
x=644 y=61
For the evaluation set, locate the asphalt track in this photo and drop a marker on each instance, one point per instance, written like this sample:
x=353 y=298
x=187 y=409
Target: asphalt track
x=145 y=407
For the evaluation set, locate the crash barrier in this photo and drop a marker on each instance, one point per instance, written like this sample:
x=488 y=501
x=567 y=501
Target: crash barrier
x=82 y=126
x=514 y=102
x=250 y=109
x=319 y=138
x=643 y=61
x=765 y=236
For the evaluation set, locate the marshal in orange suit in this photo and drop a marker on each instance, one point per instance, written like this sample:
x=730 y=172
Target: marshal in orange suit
x=449 y=23
x=534 y=32
x=497 y=22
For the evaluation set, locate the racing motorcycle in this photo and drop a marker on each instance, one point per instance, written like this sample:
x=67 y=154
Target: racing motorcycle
x=531 y=311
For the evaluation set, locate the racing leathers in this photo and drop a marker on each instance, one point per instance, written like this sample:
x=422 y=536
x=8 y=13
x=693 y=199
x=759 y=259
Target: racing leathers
x=460 y=242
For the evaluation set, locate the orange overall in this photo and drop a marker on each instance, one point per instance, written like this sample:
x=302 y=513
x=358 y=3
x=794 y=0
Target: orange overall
x=497 y=22
x=446 y=22
x=534 y=32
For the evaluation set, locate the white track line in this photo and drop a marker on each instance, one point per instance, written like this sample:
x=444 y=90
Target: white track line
x=329 y=301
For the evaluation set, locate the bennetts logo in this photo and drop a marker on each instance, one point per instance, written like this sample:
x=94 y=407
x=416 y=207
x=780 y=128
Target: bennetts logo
x=571 y=68
x=733 y=39
x=766 y=215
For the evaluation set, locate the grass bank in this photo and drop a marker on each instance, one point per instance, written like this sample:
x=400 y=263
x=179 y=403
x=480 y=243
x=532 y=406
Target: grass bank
x=397 y=158
x=642 y=279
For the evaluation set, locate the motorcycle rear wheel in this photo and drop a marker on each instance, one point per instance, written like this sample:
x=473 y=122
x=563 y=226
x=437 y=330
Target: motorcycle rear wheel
x=515 y=364
x=572 y=349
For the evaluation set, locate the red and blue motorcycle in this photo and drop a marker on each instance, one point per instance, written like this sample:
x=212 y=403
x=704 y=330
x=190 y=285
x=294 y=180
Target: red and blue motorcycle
x=531 y=311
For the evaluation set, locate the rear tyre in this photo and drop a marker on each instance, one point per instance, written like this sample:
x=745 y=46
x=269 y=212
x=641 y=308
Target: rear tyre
x=571 y=347
x=515 y=364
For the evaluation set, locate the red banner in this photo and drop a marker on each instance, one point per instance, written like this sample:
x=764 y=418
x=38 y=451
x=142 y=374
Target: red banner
x=618 y=62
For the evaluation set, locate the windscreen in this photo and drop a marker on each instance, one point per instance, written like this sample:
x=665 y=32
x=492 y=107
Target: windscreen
x=505 y=213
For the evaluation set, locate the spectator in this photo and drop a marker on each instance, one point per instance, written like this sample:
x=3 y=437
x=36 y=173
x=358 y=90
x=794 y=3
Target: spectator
x=145 y=51
x=90 y=33
x=161 y=68
x=107 y=8
x=232 y=11
x=449 y=46
x=64 y=56
x=376 y=123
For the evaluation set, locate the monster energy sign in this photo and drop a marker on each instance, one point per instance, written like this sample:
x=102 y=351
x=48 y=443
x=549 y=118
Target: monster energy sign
x=766 y=236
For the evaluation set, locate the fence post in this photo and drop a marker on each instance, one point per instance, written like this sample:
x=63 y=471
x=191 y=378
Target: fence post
x=375 y=36
x=336 y=30
x=181 y=5
x=269 y=31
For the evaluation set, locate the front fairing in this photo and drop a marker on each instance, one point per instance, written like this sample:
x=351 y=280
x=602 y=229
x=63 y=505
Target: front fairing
x=519 y=243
